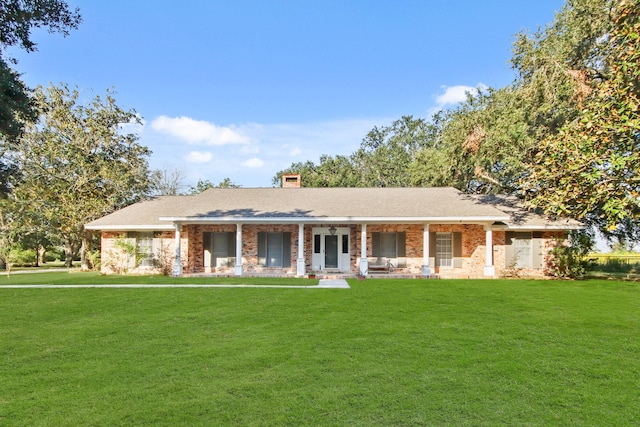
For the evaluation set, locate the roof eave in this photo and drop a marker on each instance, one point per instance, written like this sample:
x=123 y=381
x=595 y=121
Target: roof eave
x=129 y=227
x=326 y=220
x=550 y=227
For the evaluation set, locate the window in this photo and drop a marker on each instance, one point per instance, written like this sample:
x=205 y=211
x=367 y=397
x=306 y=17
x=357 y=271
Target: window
x=274 y=249
x=522 y=252
x=146 y=248
x=390 y=245
x=219 y=249
x=444 y=250
x=524 y=249
x=345 y=244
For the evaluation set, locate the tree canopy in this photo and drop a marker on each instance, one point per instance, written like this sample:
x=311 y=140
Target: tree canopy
x=382 y=160
x=76 y=164
x=590 y=169
x=17 y=19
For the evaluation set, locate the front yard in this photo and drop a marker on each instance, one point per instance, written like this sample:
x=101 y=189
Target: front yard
x=385 y=352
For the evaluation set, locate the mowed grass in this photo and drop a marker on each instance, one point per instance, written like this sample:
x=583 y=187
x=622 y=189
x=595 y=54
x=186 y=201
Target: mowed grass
x=80 y=278
x=385 y=352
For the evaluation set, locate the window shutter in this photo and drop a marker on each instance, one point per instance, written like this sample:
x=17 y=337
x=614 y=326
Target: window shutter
x=132 y=238
x=207 y=247
x=375 y=240
x=432 y=249
x=536 y=249
x=509 y=250
x=457 y=249
x=457 y=245
x=157 y=247
x=401 y=249
x=262 y=249
x=286 y=250
x=231 y=244
x=401 y=243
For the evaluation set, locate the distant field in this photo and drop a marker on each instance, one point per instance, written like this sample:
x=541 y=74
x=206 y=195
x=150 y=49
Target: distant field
x=385 y=352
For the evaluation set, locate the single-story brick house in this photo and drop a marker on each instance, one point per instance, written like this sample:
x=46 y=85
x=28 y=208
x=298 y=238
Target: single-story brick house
x=292 y=231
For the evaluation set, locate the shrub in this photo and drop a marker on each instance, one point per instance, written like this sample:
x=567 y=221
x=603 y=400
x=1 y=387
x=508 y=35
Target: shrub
x=570 y=261
x=23 y=257
x=94 y=259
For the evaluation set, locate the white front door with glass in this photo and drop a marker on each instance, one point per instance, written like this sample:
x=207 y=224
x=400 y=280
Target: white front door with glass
x=330 y=249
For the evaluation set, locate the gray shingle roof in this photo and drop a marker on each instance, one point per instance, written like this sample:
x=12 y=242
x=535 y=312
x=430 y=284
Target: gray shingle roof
x=306 y=205
x=522 y=218
x=142 y=215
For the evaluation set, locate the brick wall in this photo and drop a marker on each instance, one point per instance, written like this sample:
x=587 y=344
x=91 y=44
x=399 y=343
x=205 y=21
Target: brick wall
x=502 y=270
x=108 y=251
x=114 y=260
x=414 y=247
x=192 y=249
x=473 y=250
x=192 y=238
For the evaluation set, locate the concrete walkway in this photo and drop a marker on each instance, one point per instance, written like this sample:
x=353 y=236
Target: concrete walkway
x=323 y=284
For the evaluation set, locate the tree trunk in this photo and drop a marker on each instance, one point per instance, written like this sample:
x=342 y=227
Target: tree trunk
x=42 y=254
x=87 y=243
x=69 y=253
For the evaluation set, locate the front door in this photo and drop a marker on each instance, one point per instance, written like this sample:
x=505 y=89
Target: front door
x=330 y=251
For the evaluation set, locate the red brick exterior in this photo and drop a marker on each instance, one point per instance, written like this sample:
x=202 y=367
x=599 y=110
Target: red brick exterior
x=192 y=249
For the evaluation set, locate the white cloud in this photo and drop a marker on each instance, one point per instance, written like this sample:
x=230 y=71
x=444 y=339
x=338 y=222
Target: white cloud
x=295 y=151
x=253 y=163
x=199 y=157
x=270 y=148
x=199 y=131
x=456 y=94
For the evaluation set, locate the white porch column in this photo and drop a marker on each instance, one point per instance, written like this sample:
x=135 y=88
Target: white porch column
x=301 y=267
x=177 y=261
x=426 y=269
x=238 y=268
x=489 y=268
x=364 y=262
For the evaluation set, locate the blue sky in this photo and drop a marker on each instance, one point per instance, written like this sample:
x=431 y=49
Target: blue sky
x=242 y=89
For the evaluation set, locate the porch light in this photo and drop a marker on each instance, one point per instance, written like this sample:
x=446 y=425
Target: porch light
x=332 y=230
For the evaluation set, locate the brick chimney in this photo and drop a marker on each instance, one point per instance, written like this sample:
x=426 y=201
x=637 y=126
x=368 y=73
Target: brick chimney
x=291 y=180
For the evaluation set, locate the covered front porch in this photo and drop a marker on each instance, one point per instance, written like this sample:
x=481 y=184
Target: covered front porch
x=334 y=250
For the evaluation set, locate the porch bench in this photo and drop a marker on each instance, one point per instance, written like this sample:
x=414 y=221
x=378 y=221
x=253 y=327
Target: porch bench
x=381 y=265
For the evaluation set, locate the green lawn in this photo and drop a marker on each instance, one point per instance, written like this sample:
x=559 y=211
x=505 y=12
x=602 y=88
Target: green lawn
x=76 y=277
x=385 y=352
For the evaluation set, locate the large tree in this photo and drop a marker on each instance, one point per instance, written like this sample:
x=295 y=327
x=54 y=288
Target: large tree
x=591 y=169
x=77 y=164
x=478 y=147
x=485 y=144
x=17 y=19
